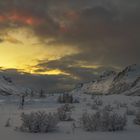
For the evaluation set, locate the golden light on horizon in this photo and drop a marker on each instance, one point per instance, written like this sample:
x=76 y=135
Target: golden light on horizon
x=22 y=50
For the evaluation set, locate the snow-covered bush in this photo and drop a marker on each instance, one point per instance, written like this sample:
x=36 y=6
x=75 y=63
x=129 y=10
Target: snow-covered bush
x=120 y=105
x=137 y=119
x=103 y=120
x=64 y=112
x=65 y=98
x=37 y=122
x=90 y=122
x=111 y=121
x=98 y=103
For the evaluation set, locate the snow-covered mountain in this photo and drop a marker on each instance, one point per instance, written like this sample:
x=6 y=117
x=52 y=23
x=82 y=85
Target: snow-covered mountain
x=100 y=86
x=7 y=87
x=135 y=88
x=126 y=81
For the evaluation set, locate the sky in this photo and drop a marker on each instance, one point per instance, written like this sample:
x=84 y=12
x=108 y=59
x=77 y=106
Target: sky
x=55 y=44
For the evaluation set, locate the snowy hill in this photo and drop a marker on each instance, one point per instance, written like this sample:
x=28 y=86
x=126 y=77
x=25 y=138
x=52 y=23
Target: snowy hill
x=135 y=88
x=127 y=82
x=7 y=87
x=100 y=86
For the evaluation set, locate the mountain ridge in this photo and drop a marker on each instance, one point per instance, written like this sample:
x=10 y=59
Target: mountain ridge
x=8 y=87
x=127 y=81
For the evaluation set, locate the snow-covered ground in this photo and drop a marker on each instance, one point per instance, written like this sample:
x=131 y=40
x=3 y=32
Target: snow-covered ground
x=9 y=108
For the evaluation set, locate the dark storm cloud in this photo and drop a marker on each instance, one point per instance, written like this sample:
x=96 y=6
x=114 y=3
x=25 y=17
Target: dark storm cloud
x=72 y=65
x=107 y=35
x=105 y=31
x=27 y=13
x=83 y=21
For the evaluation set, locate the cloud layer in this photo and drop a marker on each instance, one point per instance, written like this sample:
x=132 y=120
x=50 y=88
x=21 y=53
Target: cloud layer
x=106 y=32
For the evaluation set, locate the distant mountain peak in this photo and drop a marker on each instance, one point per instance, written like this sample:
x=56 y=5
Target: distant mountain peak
x=132 y=68
x=107 y=73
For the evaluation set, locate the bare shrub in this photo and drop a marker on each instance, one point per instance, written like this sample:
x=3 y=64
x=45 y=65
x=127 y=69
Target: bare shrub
x=90 y=122
x=103 y=120
x=37 y=122
x=65 y=98
x=64 y=112
x=112 y=121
